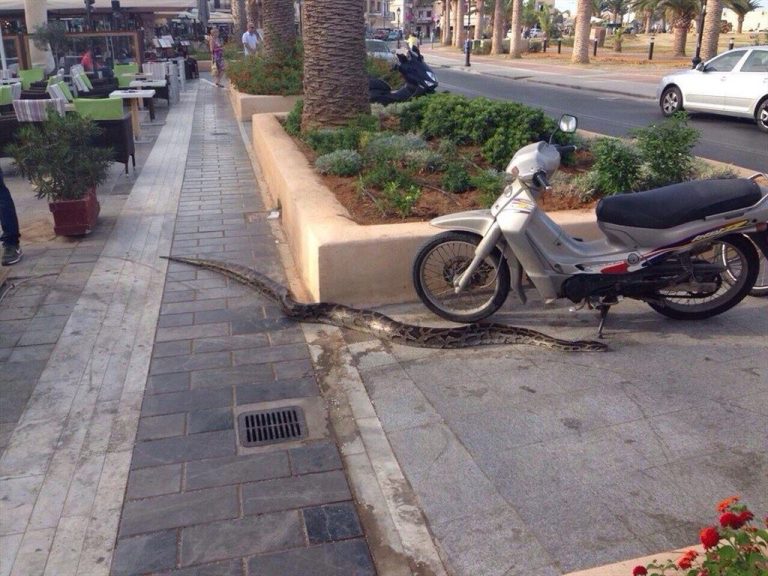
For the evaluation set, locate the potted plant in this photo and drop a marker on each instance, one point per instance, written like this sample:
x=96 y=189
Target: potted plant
x=65 y=168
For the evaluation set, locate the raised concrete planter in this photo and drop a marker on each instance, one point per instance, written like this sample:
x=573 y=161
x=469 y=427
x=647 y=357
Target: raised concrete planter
x=338 y=260
x=246 y=105
x=204 y=65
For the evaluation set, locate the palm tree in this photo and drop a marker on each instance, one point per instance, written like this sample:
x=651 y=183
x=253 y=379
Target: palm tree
x=335 y=81
x=647 y=8
x=458 y=26
x=479 y=19
x=279 y=28
x=581 y=32
x=741 y=8
x=682 y=13
x=515 y=40
x=711 y=29
x=446 y=20
x=498 y=27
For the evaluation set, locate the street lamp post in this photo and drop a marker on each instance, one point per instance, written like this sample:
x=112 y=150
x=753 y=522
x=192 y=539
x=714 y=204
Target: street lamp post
x=398 y=26
x=699 y=33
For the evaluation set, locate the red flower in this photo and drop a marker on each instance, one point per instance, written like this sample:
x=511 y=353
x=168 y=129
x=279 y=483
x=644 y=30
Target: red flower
x=730 y=520
x=686 y=560
x=709 y=537
x=725 y=504
x=745 y=516
x=639 y=571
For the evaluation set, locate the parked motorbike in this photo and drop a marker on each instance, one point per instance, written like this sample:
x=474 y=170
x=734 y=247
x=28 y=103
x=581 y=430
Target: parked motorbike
x=690 y=250
x=418 y=76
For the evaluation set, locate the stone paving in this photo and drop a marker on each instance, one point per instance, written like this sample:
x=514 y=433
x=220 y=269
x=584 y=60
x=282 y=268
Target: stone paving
x=122 y=376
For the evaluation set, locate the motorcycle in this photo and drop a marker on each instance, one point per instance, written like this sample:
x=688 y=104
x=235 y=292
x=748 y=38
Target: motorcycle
x=418 y=76
x=690 y=250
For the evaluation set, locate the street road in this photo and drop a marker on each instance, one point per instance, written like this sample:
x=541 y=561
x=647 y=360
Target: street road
x=730 y=140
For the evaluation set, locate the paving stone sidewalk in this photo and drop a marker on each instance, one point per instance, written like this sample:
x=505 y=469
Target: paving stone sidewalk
x=182 y=496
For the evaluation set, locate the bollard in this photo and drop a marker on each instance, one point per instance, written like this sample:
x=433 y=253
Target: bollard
x=544 y=45
x=730 y=44
x=467 y=50
x=650 y=49
x=559 y=46
x=594 y=48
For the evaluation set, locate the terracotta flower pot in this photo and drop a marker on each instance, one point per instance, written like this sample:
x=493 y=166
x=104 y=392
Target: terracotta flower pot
x=75 y=217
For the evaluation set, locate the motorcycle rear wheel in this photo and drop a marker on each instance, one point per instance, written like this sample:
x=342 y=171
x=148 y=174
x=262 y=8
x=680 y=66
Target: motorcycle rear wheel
x=738 y=258
x=761 y=283
x=443 y=259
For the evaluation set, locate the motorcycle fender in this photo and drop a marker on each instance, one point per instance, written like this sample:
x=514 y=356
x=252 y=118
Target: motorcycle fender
x=475 y=221
x=761 y=241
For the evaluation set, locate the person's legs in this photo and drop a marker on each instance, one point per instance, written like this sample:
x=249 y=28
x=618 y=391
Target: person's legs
x=10 y=226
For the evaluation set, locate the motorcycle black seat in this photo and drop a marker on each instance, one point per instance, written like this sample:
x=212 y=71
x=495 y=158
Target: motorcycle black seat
x=679 y=203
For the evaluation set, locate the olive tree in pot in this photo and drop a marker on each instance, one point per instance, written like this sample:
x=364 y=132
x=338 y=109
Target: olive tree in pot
x=57 y=157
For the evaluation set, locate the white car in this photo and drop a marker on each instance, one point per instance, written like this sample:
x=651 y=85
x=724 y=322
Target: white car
x=380 y=49
x=734 y=83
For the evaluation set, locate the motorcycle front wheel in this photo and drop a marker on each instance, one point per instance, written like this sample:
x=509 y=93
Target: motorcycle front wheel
x=737 y=259
x=441 y=260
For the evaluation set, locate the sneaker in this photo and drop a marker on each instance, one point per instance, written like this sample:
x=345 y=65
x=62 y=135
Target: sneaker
x=11 y=254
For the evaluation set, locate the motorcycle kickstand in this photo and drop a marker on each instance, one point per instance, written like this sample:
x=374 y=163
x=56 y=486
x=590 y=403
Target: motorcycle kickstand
x=603 y=308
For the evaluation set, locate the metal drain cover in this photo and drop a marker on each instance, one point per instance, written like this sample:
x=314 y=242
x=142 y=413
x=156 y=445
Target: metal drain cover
x=272 y=426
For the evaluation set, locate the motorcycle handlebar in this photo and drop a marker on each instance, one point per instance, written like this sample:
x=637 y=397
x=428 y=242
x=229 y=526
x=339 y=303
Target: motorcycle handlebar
x=566 y=149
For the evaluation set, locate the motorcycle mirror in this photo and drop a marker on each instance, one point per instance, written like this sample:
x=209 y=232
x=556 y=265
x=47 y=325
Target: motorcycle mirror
x=568 y=123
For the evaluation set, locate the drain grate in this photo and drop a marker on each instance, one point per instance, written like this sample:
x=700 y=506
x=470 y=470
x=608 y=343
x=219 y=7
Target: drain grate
x=272 y=426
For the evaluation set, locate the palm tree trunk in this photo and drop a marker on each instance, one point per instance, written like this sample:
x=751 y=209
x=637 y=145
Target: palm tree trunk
x=239 y=16
x=739 y=24
x=680 y=30
x=479 y=19
x=581 y=33
x=279 y=27
x=711 y=31
x=516 y=41
x=648 y=17
x=458 y=27
x=252 y=8
x=446 y=21
x=498 y=27
x=335 y=88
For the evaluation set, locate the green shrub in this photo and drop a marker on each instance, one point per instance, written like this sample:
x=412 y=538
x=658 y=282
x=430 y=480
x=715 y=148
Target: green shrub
x=390 y=146
x=447 y=148
x=456 y=178
x=293 y=120
x=666 y=150
x=616 y=168
x=535 y=46
x=424 y=160
x=327 y=140
x=262 y=74
x=489 y=183
x=340 y=163
x=400 y=200
x=380 y=68
x=382 y=174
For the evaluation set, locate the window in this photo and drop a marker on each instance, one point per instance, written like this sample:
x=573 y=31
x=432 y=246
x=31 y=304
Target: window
x=757 y=61
x=726 y=62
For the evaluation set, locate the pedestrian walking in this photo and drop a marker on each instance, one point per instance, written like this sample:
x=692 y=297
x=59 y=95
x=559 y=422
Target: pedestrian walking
x=9 y=224
x=216 y=47
x=250 y=40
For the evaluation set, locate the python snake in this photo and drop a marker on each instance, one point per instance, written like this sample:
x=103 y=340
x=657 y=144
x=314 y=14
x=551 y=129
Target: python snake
x=384 y=327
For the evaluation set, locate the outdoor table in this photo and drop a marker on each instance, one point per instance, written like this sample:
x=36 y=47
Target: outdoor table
x=133 y=96
x=149 y=85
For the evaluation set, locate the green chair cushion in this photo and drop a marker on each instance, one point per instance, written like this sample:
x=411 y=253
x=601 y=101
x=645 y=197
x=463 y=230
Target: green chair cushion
x=30 y=75
x=66 y=90
x=100 y=108
x=120 y=69
x=6 y=96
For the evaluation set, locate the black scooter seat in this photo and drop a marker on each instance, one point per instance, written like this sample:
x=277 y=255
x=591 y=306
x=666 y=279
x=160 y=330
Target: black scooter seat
x=677 y=204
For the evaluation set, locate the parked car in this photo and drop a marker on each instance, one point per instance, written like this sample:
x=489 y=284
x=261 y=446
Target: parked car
x=380 y=49
x=734 y=83
x=381 y=33
x=394 y=35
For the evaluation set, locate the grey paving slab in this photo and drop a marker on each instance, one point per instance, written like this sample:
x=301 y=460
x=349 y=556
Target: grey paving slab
x=184 y=448
x=142 y=554
x=295 y=492
x=236 y=470
x=349 y=557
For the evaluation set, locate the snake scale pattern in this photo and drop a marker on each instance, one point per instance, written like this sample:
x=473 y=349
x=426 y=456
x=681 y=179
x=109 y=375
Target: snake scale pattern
x=384 y=327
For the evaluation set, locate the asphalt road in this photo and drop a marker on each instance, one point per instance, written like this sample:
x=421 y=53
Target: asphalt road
x=730 y=140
